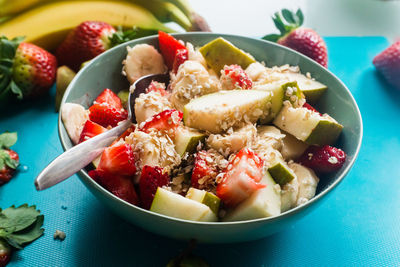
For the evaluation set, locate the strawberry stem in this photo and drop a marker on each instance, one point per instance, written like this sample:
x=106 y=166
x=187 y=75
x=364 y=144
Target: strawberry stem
x=124 y=35
x=285 y=21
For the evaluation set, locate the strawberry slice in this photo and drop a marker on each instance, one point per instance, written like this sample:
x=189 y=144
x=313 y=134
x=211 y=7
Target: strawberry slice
x=150 y=180
x=106 y=115
x=109 y=97
x=167 y=120
x=120 y=186
x=181 y=56
x=241 y=178
x=323 y=159
x=169 y=47
x=119 y=160
x=11 y=160
x=202 y=170
x=234 y=77
x=157 y=87
x=91 y=129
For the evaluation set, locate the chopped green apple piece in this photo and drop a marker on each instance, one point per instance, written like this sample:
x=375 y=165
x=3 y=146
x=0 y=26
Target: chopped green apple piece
x=174 y=205
x=96 y=161
x=308 y=126
x=124 y=95
x=293 y=94
x=312 y=89
x=292 y=148
x=280 y=171
x=64 y=77
x=204 y=197
x=308 y=182
x=221 y=52
x=219 y=111
x=262 y=203
x=277 y=94
x=186 y=139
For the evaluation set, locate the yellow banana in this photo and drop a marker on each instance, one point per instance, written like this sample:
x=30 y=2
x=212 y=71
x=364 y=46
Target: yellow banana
x=11 y=7
x=47 y=25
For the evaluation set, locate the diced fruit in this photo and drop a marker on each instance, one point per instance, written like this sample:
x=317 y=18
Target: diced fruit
x=203 y=170
x=271 y=135
x=289 y=195
x=292 y=148
x=312 y=89
x=120 y=186
x=109 y=97
x=124 y=96
x=277 y=94
x=280 y=171
x=167 y=120
x=234 y=77
x=293 y=93
x=323 y=159
x=169 y=47
x=219 y=111
x=157 y=87
x=150 y=104
x=308 y=126
x=74 y=117
x=96 y=162
x=174 y=205
x=241 y=178
x=119 y=160
x=307 y=181
x=10 y=159
x=265 y=202
x=181 y=56
x=91 y=129
x=204 y=197
x=186 y=140
x=106 y=115
x=150 y=179
x=63 y=78
x=220 y=52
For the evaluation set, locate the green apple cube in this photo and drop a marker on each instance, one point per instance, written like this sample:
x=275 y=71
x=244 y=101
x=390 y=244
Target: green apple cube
x=312 y=89
x=219 y=111
x=171 y=204
x=204 y=197
x=292 y=148
x=308 y=126
x=277 y=94
x=280 y=171
x=186 y=140
x=264 y=202
x=221 y=52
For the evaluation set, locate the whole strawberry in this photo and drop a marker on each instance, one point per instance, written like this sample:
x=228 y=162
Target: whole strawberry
x=303 y=40
x=9 y=159
x=5 y=252
x=26 y=70
x=388 y=64
x=85 y=42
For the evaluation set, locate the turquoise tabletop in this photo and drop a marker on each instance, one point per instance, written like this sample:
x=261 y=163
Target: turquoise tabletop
x=358 y=224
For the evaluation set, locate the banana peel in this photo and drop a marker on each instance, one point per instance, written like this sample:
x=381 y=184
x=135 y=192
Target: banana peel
x=47 y=25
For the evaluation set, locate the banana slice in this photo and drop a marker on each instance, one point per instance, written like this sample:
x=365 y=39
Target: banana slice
x=142 y=59
x=74 y=117
x=307 y=180
x=289 y=194
x=147 y=105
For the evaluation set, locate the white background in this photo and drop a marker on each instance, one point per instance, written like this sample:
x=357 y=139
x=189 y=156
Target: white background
x=328 y=17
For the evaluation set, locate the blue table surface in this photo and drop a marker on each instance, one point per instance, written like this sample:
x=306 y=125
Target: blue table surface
x=358 y=224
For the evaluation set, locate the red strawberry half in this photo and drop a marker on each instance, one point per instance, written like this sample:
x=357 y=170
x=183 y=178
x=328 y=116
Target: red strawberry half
x=32 y=73
x=323 y=159
x=234 y=77
x=169 y=47
x=303 y=40
x=109 y=97
x=91 y=129
x=85 y=42
x=150 y=180
x=203 y=170
x=118 y=159
x=181 y=56
x=106 y=115
x=241 y=178
x=388 y=64
x=10 y=160
x=120 y=186
x=167 y=120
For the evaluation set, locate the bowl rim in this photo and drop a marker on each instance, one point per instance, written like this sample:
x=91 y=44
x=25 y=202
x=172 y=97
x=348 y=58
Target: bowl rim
x=84 y=177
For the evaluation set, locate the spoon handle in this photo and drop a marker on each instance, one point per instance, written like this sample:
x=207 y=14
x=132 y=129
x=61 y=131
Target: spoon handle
x=76 y=158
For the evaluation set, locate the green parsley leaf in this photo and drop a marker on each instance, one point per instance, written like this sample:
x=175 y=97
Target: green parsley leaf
x=2 y=163
x=19 y=218
x=21 y=238
x=7 y=140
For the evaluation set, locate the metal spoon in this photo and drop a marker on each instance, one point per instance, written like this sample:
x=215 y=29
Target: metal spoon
x=76 y=158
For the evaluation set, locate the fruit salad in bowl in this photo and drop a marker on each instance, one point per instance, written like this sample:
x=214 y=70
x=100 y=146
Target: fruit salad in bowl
x=229 y=139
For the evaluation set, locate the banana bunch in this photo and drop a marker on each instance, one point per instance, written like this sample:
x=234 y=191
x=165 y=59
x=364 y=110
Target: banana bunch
x=47 y=22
